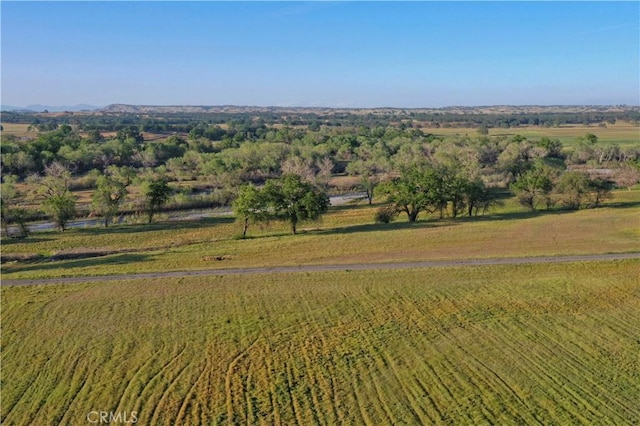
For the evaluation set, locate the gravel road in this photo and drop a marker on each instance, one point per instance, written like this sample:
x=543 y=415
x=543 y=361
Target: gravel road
x=333 y=267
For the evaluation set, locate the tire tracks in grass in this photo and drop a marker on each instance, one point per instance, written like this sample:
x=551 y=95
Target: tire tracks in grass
x=355 y=381
x=383 y=361
x=313 y=386
x=131 y=383
x=247 y=399
x=27 y=387
x=75 y=395
x=157 y=411
x=292 y=400
x=325 y=384
x=228 y=378
x=186 y=402
x=397 y=309
x=409 y=310
x=546 y=375
x=557 y=376
x=275 y=408
x=498 y=381
x=157 y=378
x=578 y=368
x=482 y=382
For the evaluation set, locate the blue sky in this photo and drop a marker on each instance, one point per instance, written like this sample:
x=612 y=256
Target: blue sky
x=337 y=54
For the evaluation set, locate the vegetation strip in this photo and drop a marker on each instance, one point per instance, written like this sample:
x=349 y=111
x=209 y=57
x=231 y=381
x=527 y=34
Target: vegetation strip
x=325 y=268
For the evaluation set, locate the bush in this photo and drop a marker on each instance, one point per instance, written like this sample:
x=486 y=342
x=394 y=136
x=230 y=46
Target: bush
x=386 y=214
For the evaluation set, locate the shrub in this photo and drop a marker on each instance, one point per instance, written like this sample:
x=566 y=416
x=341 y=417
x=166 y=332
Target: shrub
x=386 y=214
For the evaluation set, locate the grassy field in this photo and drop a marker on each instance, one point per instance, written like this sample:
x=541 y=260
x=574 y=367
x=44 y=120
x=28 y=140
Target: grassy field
x=18 y=129
x=346 y=235
x=534 y=344
x=511 y=344
x=623 y=134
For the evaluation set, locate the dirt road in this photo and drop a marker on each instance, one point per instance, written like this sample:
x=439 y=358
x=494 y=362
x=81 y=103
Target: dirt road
x=323 y=268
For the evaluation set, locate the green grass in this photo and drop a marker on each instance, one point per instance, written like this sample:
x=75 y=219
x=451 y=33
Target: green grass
x=346 y=235
x=623 y=134
x=550 y=344
x=518 y=344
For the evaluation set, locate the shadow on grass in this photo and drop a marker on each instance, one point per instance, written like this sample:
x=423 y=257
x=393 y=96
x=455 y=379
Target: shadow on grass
x=355 y=206
x=378 y=227
x=511 y=215
x=118 y=259
x=622 y=205
x=157 y=226
x=26 y=240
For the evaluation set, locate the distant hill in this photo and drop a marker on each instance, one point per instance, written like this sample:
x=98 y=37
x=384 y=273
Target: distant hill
x=51 y=108
x=496 y=109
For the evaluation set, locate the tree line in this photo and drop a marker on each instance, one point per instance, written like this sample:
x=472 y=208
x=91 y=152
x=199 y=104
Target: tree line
x=449 y=175
x=165 y=122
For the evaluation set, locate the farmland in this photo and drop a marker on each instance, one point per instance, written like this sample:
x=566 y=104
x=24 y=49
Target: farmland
x=520 y=343
x=624 y=134
x=497 y=344
x=548 y=343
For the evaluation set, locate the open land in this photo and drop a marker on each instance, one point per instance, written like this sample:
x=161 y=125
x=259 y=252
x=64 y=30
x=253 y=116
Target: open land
x=514 y=317
x=518 y=343
x=498 y=344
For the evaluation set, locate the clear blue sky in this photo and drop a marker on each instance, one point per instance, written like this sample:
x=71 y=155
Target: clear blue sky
x=338 y=54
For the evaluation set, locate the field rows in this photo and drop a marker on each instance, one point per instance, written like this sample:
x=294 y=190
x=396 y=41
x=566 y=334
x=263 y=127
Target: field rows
x=530 y=344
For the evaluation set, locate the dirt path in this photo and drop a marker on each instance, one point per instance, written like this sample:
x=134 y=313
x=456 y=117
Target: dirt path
x=323 y=268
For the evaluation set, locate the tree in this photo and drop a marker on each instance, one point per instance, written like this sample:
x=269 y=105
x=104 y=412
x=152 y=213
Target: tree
x=295 y=200
x=9 y=212
x=514 y=161
x=534 y=187
x=478 y=197
x=415 y=191
x=628 y=175
x=156 y=193
x=552 y=147
x=577 y=190
x=53 y=189
x=369 y=171
x=250 y=205
x=457 y=189
x=600 y=191
x=111 y=191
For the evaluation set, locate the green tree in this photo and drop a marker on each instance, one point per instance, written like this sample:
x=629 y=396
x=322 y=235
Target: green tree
x=9 y=212
x=295 y=200
x=533 y=188
x=61 y=207
x=552 y=147
x=478 y=198
x=53 y=188
x=415 y=191
x=111 y=191
x=250 y=204
x=515 y=160
x=369 y=172
x=600 y=191
x=156 y=193
x=576 y=190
